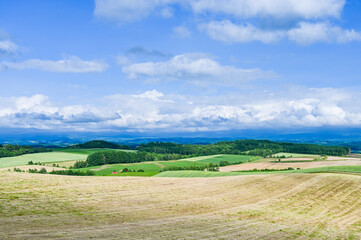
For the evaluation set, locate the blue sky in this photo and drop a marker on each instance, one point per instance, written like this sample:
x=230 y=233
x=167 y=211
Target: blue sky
x=171 y=65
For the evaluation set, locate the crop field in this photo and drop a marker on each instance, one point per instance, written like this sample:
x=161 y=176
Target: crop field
x=267 y=206
x=285 y=165
x=47 y=157
x=157 y=166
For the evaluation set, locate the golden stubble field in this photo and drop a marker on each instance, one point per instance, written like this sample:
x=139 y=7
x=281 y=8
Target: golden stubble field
x=287 y=206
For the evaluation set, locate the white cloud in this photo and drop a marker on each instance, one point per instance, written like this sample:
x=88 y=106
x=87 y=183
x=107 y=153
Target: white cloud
x=308 y=33
x=305 y=33
x=155 y=110
x=196 y=69
x=305 y=9
x=228 y=32
x=131 y=10
x=307 y=18
x=8 y=47
x=69 y=64
x=181 y=32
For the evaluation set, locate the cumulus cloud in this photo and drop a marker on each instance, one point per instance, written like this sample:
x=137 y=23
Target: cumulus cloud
x=69 y=64
x=304 y=33
x=196 y=69
x=152 y=110
x=8 y=47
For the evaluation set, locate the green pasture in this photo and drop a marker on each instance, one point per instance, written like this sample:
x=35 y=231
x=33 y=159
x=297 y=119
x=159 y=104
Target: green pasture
x=108 y=169
x=181 y=163
x=48 y=157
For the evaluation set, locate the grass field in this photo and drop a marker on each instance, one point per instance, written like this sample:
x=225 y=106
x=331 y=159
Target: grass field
x=274 y=206
x=52 y=157
x=181 y=163
x=108 y=169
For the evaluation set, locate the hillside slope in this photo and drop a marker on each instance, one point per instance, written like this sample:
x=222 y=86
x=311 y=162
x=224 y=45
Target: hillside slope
x=297 y=206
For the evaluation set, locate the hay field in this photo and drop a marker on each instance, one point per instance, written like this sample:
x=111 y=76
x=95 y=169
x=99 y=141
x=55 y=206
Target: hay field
x=287 y=206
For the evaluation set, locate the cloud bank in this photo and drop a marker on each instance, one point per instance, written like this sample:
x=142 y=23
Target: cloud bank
x=70 y=64
x=306 y=21
x=153 y=110
x=194 y=68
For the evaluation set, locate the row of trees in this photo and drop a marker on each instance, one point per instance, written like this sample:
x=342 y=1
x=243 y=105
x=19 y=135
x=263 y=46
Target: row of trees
x=248 y=147
x=10 y=150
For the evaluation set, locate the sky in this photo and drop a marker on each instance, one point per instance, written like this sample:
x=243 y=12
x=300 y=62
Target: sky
x=179 y=66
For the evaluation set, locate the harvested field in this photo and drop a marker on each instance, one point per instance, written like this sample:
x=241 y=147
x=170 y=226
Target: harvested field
x=288 y=206
x=342 y=158
x=281 y=165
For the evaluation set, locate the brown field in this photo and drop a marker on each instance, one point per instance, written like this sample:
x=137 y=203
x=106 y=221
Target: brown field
x=342 y=158
x=288 y=206
x=285 y=165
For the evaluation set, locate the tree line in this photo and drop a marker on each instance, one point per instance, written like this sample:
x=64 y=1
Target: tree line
x=99 y=144
x=10 y=150
x=247 y=147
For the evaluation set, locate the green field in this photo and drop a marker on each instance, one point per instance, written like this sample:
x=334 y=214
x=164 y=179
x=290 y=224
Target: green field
x=233 y=159
x=108 y=169
x=181 y=163
x=337 y=169
x=48 y=157
x=296 y=155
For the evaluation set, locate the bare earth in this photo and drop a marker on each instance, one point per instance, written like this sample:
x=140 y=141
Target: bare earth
x=287 y=206
x=281 y=165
